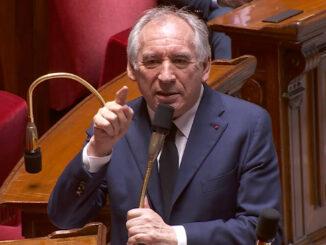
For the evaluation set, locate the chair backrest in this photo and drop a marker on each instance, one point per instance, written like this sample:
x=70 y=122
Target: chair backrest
x=13 y=119
x=228 y=76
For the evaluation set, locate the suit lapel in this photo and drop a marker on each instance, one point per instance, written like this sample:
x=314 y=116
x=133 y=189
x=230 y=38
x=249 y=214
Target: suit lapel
x=207 y=129
x=138 y=138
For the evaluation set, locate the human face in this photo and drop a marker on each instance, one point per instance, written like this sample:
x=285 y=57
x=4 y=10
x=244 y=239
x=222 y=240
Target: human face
x=167 y=69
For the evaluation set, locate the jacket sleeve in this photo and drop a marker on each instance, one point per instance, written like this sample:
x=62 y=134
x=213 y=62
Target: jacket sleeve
x=259 y=188
x=77 y=196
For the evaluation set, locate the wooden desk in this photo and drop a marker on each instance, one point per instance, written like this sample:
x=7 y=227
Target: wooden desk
x=82 y=240
x=30 y=192
x=290 y=82
x=90 y=234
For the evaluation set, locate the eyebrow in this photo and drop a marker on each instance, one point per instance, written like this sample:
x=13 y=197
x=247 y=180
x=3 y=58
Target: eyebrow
x=175 y=55
x=181 y=55
x=150 y=56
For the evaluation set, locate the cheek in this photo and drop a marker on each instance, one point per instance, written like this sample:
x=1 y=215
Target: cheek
x=144 y=88
x=144 y=82
x=191 y=84
x=146 y=78
x=146 y=85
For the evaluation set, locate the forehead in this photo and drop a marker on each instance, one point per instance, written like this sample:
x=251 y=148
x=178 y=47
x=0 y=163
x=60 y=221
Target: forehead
x=167 y=31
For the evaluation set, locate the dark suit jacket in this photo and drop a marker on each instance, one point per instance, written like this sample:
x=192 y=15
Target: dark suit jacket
x=228 y=174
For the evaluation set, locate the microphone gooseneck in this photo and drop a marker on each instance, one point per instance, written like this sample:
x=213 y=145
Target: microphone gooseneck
x=161 y=125
x=267 y=226
x=33 y=156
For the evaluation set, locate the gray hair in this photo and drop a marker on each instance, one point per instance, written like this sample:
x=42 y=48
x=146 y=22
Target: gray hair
x=203 y=50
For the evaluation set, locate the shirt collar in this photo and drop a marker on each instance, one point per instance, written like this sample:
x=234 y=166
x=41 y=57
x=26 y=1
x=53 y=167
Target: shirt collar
x=184 y=122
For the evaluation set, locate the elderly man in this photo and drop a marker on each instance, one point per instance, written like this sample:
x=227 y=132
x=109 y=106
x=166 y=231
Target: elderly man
x=227 y=168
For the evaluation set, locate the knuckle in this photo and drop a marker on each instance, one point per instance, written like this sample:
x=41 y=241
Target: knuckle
x=100 y=111
x=108 y=104
x=106 y=124
x=112 y=116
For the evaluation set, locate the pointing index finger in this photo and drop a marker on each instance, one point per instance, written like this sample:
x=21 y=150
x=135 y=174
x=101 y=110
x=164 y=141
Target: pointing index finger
x=121 y=96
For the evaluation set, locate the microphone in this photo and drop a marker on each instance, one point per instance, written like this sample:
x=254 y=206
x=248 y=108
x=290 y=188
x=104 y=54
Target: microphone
x=32 y=156
x=267 y=226
x=161 y=125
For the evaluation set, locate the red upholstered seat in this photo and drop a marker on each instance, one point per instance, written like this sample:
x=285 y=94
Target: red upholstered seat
x=11 y=232
x=78 y=36
x=13 y=119
x=115 y=61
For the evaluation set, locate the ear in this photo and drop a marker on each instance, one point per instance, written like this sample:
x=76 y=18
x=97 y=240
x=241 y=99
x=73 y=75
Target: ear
x=206 y=70
x=131 y=72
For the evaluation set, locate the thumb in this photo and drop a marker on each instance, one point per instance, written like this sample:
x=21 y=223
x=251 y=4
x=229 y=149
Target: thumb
x=121 y=96
x=146 y=203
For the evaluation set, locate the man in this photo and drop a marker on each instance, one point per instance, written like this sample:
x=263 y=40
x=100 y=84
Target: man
x=227 y=169
x=208 y=10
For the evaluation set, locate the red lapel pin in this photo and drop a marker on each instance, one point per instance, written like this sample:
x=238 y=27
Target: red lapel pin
x=215 y=125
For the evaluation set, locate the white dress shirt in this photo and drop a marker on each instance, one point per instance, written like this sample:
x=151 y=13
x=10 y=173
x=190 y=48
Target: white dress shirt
x=184 y=124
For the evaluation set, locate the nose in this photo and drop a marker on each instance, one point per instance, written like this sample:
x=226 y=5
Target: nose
x=166 y=73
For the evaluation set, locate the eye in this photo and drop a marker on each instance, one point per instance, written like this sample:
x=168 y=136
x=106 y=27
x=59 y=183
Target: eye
x=152 y=63
x=181 y=63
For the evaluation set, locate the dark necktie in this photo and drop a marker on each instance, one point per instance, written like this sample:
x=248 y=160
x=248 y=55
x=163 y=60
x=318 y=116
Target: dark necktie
x=169 y=165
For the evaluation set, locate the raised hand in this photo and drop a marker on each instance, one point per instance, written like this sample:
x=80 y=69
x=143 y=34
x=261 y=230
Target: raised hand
x=111 y=122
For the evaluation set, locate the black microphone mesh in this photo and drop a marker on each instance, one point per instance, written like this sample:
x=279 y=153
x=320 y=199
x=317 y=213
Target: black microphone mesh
x=267 y=224
x=163 y=118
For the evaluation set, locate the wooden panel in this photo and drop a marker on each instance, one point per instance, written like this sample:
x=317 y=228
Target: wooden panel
x=312 y=149
x=7 y=47
x=23 y=51
x=321 y=134
x=303 y=72
x=290 y=81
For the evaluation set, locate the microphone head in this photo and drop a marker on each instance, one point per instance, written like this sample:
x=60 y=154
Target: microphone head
x=163 y=118
x=267 y=224
x=33 y=161
x=32 y=156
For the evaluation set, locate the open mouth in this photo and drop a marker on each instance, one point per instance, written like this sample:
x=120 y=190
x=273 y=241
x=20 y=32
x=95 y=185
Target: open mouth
x=166 y=96
x=162 y=93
